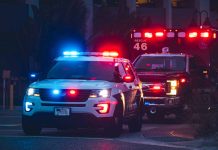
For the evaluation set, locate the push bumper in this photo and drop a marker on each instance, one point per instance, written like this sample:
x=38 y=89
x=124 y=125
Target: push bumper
x=166 y=104
x=73 y=121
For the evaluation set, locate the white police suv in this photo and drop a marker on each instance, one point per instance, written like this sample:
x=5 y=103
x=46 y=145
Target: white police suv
x=85 y=90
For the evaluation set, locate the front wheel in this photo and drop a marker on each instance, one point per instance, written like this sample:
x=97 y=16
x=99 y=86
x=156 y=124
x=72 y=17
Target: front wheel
x=115 y=129
x=135 y=124
x=30 y=127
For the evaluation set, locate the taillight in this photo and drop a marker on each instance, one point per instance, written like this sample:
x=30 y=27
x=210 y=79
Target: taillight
x=103 y=108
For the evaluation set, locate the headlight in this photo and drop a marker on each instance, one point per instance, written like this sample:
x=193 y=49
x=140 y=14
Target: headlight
x=100 y=93
x=32 y=92
x=173 y=87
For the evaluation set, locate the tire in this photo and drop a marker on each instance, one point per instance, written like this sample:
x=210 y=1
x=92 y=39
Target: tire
x=115 y=129
x=135 y=124
x=116 y=126
x=30 y=127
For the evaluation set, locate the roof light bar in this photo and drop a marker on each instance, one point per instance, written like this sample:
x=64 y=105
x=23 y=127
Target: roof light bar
x=214 y=35
x=159 y=34
x=181 y=34
x=70 y=53
x=110 y=54
x=170 y=34
x=148 y=35
x=137 y=35
x=205 y=34
x=193 y=34
x=105 y=54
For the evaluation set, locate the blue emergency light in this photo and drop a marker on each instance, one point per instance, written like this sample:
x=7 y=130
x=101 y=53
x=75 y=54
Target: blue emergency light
x=32 y=75
x=71 y=53
x=56 y=92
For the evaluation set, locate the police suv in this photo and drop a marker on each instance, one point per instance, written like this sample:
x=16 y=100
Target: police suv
x=82 y=90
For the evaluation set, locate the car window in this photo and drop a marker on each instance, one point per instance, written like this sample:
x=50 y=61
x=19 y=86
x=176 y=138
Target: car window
x=121 y=70
x=160 y=63
x=88 y=70
x=128 y=69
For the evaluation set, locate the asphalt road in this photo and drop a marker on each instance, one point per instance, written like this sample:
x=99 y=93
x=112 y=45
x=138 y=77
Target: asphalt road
x=154 y=136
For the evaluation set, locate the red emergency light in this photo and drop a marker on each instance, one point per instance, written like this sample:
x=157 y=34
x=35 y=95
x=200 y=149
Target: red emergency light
x=205 y=34
x=159 y=34
x=193 y=34
x=148 y=35
x=72 y=92
x=110 y=54
x=214 y=35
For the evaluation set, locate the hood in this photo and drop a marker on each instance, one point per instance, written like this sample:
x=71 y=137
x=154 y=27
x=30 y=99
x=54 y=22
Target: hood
x=159 y=76
x=71 y=84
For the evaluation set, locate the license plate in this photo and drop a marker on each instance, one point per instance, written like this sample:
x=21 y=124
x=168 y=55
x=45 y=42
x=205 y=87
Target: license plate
x=62 y=111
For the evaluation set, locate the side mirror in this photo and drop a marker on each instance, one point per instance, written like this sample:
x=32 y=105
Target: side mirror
x=128 y=78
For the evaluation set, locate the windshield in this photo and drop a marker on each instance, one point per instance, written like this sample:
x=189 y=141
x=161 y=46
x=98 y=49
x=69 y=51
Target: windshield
x=176 y=63
x=84 y=70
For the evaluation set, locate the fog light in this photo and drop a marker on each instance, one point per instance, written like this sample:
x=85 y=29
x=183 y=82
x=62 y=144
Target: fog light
x=28 y=106
x=103 y=108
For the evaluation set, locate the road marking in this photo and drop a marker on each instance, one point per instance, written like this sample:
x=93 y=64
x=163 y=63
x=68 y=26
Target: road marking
x=10 y=116
x=9 y=125
x=153 y=143
x=16 y=130
x=57 y=137
x=174 y=134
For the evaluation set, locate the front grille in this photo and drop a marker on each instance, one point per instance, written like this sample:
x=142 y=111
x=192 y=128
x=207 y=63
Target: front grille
x=156 y=101
x=154 y=94
x=147 y=90
x=81 y=96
